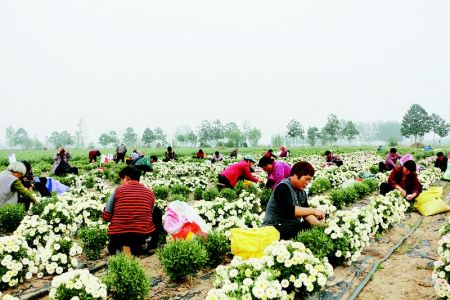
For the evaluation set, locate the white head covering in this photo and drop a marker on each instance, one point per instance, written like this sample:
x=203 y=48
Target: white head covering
x=18 y=167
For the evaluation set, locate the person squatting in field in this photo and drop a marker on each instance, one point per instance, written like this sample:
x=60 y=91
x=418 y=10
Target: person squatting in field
x=169 y=155
x=216 y=157
x=404 y=179
x=288 y=210
x=391 y=161
x=276 y=171
x=11 y=186
x=132 y=214
x=441 y=161
x=93 y=154
x=238 y=171
x=332 y=159
x=61 y=165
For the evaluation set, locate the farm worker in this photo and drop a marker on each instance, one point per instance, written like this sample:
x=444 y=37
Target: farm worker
x=284 y=152
x=132 y=214
x=404 y=179
x=121 y=150
x=240 y=170
x=332 y=159
x=234 y=153
x=269 y=154
x=61 y=164
x=93 y=154
x=391 y=160
x=216 y=157
x=287 y=209
x=200 y=154
x=441 y=161
x=144 y=163
x=135 y=155
x=170 y=155
x=11 y=186
x=276 y=171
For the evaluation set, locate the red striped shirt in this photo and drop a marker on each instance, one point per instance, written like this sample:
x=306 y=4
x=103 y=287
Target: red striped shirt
x=133 y=208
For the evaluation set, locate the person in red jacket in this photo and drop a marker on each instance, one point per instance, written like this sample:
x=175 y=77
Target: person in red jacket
x=238 y=171
x=403 y=179
x=132 y=214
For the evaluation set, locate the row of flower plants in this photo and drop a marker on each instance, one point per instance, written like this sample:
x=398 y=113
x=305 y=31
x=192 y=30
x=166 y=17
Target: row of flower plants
x=441 y=272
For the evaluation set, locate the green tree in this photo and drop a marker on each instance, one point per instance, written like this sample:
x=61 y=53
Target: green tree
x=104 y=139
x=10 y=133
x=416 y=122
x=439 y=126
x=277 y=140
x=113 y=139
x=217 y=131
x=350 y=131
x=63 y=138
x=313 y=134
x=330 y=132
x=387 y=131
x=81 y=133
x=254 y=135
x=148 y=136
x=294 y=130
x=160 y=135
x=233 y=134
x=205 y=132
x=130 y=137
x=21 y=138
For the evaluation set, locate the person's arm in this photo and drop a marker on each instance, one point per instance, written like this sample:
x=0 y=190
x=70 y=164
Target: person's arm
x=18 y=187
x=282 y=196
x=417 y=189
x=393 y=183
x=109 y=208
x=248 y=174
x=390 y=162
x=312 y=220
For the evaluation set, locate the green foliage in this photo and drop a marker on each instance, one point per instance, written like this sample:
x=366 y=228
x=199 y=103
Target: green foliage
x=342 y=197
x=181 y=258
x=10 y=216
x=180 y=189
x=374 y=169
x=179 y=197
x=264 y=195
x=217 y=246
x=161 y=192
x=210 y=194
x=315 y=239
x=126 y=278
x=38 y=208
x=89 y=183
x=320 y=185
x=198 y=193
x=372 y=184
x=239 y=187
x=362 y=189
x=416 y=122
x=94 y=240
x=228 y=194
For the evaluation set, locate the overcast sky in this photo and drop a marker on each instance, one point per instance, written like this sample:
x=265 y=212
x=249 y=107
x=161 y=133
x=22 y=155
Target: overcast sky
x=174 y=63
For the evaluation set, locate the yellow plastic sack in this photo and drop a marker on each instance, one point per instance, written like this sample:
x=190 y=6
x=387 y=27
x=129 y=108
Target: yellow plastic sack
x=250 y=243
x=430 y=202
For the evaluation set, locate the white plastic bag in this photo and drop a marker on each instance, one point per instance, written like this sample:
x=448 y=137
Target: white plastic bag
x=179 y=213
x=12 y=158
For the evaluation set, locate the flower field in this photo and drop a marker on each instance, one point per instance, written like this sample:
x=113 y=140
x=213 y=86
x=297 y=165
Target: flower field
x=54 y=241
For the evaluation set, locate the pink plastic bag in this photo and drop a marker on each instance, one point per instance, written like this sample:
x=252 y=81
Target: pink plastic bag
x=179 y=213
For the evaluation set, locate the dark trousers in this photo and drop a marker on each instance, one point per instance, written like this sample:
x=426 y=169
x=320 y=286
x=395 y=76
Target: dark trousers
x=223 y=183
x=60 y=171
x=290 y=231
x=385 y=188
x=120 y=156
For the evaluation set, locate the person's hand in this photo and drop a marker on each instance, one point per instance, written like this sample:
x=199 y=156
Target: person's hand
x=410 y=196
x=319 y=214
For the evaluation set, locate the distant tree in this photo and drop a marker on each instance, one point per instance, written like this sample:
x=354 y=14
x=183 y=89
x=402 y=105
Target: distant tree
x=10 y=133
x=191 y=137
x=233 y=134
x=416 y=122
x=205 y=132
x=387 y=131
x=81 y=133
x=313 y=134
x=160 y=135
x=148 y=136
x=63 y=138
x=104 y=139
x=330 y=132
x=130 y=137
x=217 y=131
x=36 y=144
x=253 y=136
x=113 y=139
x=350 y=131
x=277 y=140
x=21 y=138
x=439 y=126
x=294 y=130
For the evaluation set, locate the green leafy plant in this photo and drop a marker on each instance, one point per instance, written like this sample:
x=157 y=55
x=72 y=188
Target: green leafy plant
x=180 y=258
x=316 y=240
x=89 y=183
x=10 y=216
x=161 y=192
x=320 y=185
x=338 y=198
x=228 y=194
x=180 y=197
x=38 y=208
x=198 y=192
x=94 y=240
x=361 y=188
x=217 y=245
x=210 y=194
x=180 y=189
x=372 y=184
x=374 y=169
x=264 y=195
x=126 y=278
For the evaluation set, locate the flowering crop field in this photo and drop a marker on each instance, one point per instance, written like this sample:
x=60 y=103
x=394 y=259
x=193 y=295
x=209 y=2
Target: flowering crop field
x=48 y=246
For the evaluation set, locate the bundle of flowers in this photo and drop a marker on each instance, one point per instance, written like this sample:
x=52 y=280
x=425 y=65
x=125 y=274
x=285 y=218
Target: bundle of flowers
x=323 y=203
x=58 y=256
x=287 y=269
x=77 y=284
x=101 y=185
x=194 y=182
x=16 y=261
x=388 y=209
x=60 y=216
x=35 y=230
x=87 y=212
x=429 y=176
x=441 y=272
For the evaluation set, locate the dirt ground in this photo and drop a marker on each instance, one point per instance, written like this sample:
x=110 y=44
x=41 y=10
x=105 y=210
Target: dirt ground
x=406 y=274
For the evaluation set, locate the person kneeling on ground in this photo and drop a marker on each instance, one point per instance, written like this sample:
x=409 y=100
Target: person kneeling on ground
x=441 y=161
x=61 y=165
x=132 y=214
x=391 y=161
x=287 y=209
x=405 y=180
x=332 y=159
x=276 y=170
x=93 y=154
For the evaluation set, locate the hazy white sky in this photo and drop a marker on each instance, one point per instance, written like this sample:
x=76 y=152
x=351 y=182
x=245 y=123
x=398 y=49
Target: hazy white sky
x=173 y=63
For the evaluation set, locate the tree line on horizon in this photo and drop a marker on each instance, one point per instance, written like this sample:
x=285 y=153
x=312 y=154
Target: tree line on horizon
x=415 y=123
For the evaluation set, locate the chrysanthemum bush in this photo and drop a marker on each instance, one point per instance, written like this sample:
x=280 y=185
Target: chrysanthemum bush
x=35 y=230
x=10 y=216
x=286 y=270
x=16 y=261
x=87 y=212
x=77 y=284
x=441 y=272
x=94 y=240
x=60 y=216
x=58 y=256
x=428 y=176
